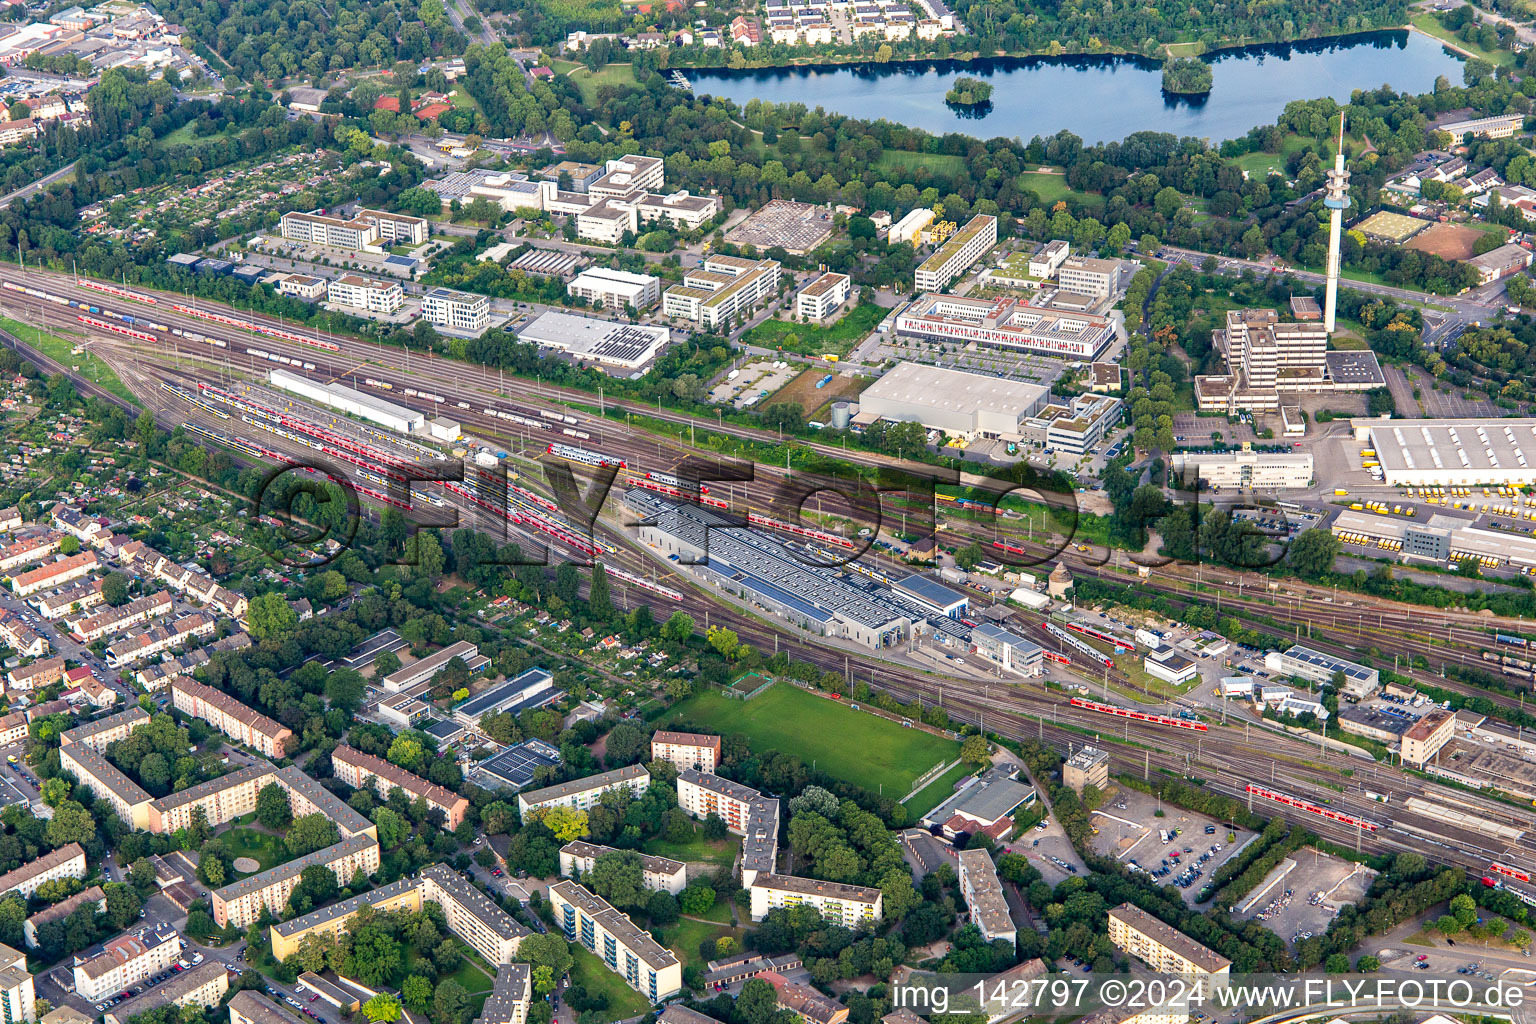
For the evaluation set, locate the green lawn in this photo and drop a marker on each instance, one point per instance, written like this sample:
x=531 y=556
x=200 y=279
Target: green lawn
x=720 y=852
x=1427 y=23
x=906 y=162
x=860 y=748
x=58 y=348
x=593 y=975
x=815 y=340
x=265 y=848
x=589 y=81
x=1051 y=187
x=937 y=791
x=684 y=937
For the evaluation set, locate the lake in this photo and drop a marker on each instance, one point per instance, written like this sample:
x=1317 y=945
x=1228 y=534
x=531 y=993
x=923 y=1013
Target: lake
x=1102 y=99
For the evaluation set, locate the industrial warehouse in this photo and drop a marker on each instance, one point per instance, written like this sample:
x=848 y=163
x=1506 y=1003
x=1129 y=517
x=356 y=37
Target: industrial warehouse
x=812 y=597
x=588 y=339
x=1439 y=453
x=957 y=402
x=1441 y=538
x=1006 y=324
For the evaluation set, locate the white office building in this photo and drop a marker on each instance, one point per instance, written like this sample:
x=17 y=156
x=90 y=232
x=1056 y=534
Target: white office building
x=821 y=298
x=615 y=289
x=457 y=311
x=365 y=293
x=955 y=256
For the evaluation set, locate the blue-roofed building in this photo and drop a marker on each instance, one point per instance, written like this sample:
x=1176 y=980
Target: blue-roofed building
x=533 y=689
x=1316 y=667
x=932 y=594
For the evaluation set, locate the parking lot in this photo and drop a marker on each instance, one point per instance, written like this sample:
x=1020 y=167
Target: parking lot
x=754 y=381
x=1130 y=830
x=1050 y=851
x=1308 y=897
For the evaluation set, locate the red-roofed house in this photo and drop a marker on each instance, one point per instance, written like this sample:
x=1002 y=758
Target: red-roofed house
x=431 y=110
x=542 y=72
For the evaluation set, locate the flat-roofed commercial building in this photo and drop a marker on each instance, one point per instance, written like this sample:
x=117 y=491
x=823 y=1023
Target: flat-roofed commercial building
x=301 y=286
x=1425 y=737
x=606 y=288
x=428 y=667
x=847 y=905
x=644 y=964
x=459 y=311
x=1246 y=470
x=251 y=1007
x=722 y=289
x=1087 y=276
x=684 y=750
x=931 y=595
x=222 y=799
x=1434 y=453
x=1008 y=649
x=1384 y=725
x=956 y=255
x=226 y=714
x=366 y=293
x=627 y=174
x=1317 y=667
x=1088 y=767
x=471 y=914
x=535 y=687
x=608 y=220
x=1075 y=427
x=66 y=862
x=128 y=799
x=1501 y=126
x=680 y=209
x=125 y=961
x=511 y=996
x=820 y=299
x=404 y=894
x=1051 y=255
x=659 y=873
x=983 y=892
x=241 y=902
x=203 y=985
x=583 y=793
x=1161 y=946
x=1005 y=323
x=1169 y=665
x=956 y=402
x=360 y=770
x=334 y=232
x=54 y=574
x=396 y=228
x=591 y=339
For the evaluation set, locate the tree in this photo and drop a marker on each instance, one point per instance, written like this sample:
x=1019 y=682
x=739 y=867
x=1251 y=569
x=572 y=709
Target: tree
x=974 y=750
x=567 y=823
x=272 y=808
x=1465 y=909
x=661 y=907
x=627 y=744
x=677 y=628
x=382 y=1007
x=71 y=823
x=599 y=600
x=1338 y=963
x=269 y=616
x=407 y=752
x=451 y=1002
x=1312 y=553
x=697 y=899
x=310 y=833
x=123 y=904
x=758 y=1002
x=114 y=589
x=416 y=993
x=619 y=878
x=1368 y=964
x=393 y=829
x=69 y=546
x=549 y=950
x=375 y=955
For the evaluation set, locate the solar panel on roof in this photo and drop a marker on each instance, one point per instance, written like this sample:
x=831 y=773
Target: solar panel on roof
x=399 y=261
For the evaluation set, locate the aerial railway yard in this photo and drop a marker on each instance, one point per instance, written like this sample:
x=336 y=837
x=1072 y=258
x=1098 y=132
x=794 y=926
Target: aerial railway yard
x=208 y=377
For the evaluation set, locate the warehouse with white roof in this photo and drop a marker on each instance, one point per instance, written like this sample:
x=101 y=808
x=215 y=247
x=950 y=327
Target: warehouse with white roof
x=586 y=338
x=959 y=403
x=1442 y=453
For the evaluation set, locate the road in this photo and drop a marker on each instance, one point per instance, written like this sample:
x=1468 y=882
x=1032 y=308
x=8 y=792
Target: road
x=38 y=185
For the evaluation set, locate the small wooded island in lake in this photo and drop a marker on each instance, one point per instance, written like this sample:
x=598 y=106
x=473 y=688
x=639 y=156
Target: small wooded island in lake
x=969 y=92
x=1186 y=76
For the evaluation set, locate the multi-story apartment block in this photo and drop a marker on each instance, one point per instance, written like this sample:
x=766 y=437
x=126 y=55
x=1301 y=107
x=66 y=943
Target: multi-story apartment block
x=659 y=873
x=644 y=964
x=10 y=519
x=584 y=793
x=65 y=862
x=471 y=914
x=1424 y=738
x=396 y=228
x=124 y=962
x=59 y=911
x=203 y=985
x=1161 y=946
x=37 y=674
x=615 y=289
x=82 y=595
x=404 y=894
x=848 y=905
x=222 y=799
x=983 y=892
x=723 y=288
x=103 y=732
x=365 y=293
x=820 y=299
x=25 y=552
x=251 y=1007
x=128 y=799
x=459 y=311
x=511 y=996
x=685 y=750
x=20 y=637
x=358 y=770
x=157 y=639
x=704 y=793
x=18 y=997
x=956 y=255
x=334 y=232
x=242 y=902
x=628 y=174
x=13 y=728
x=306 y=796
x=54 y=574
x=229 y=716
x=90 y=628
